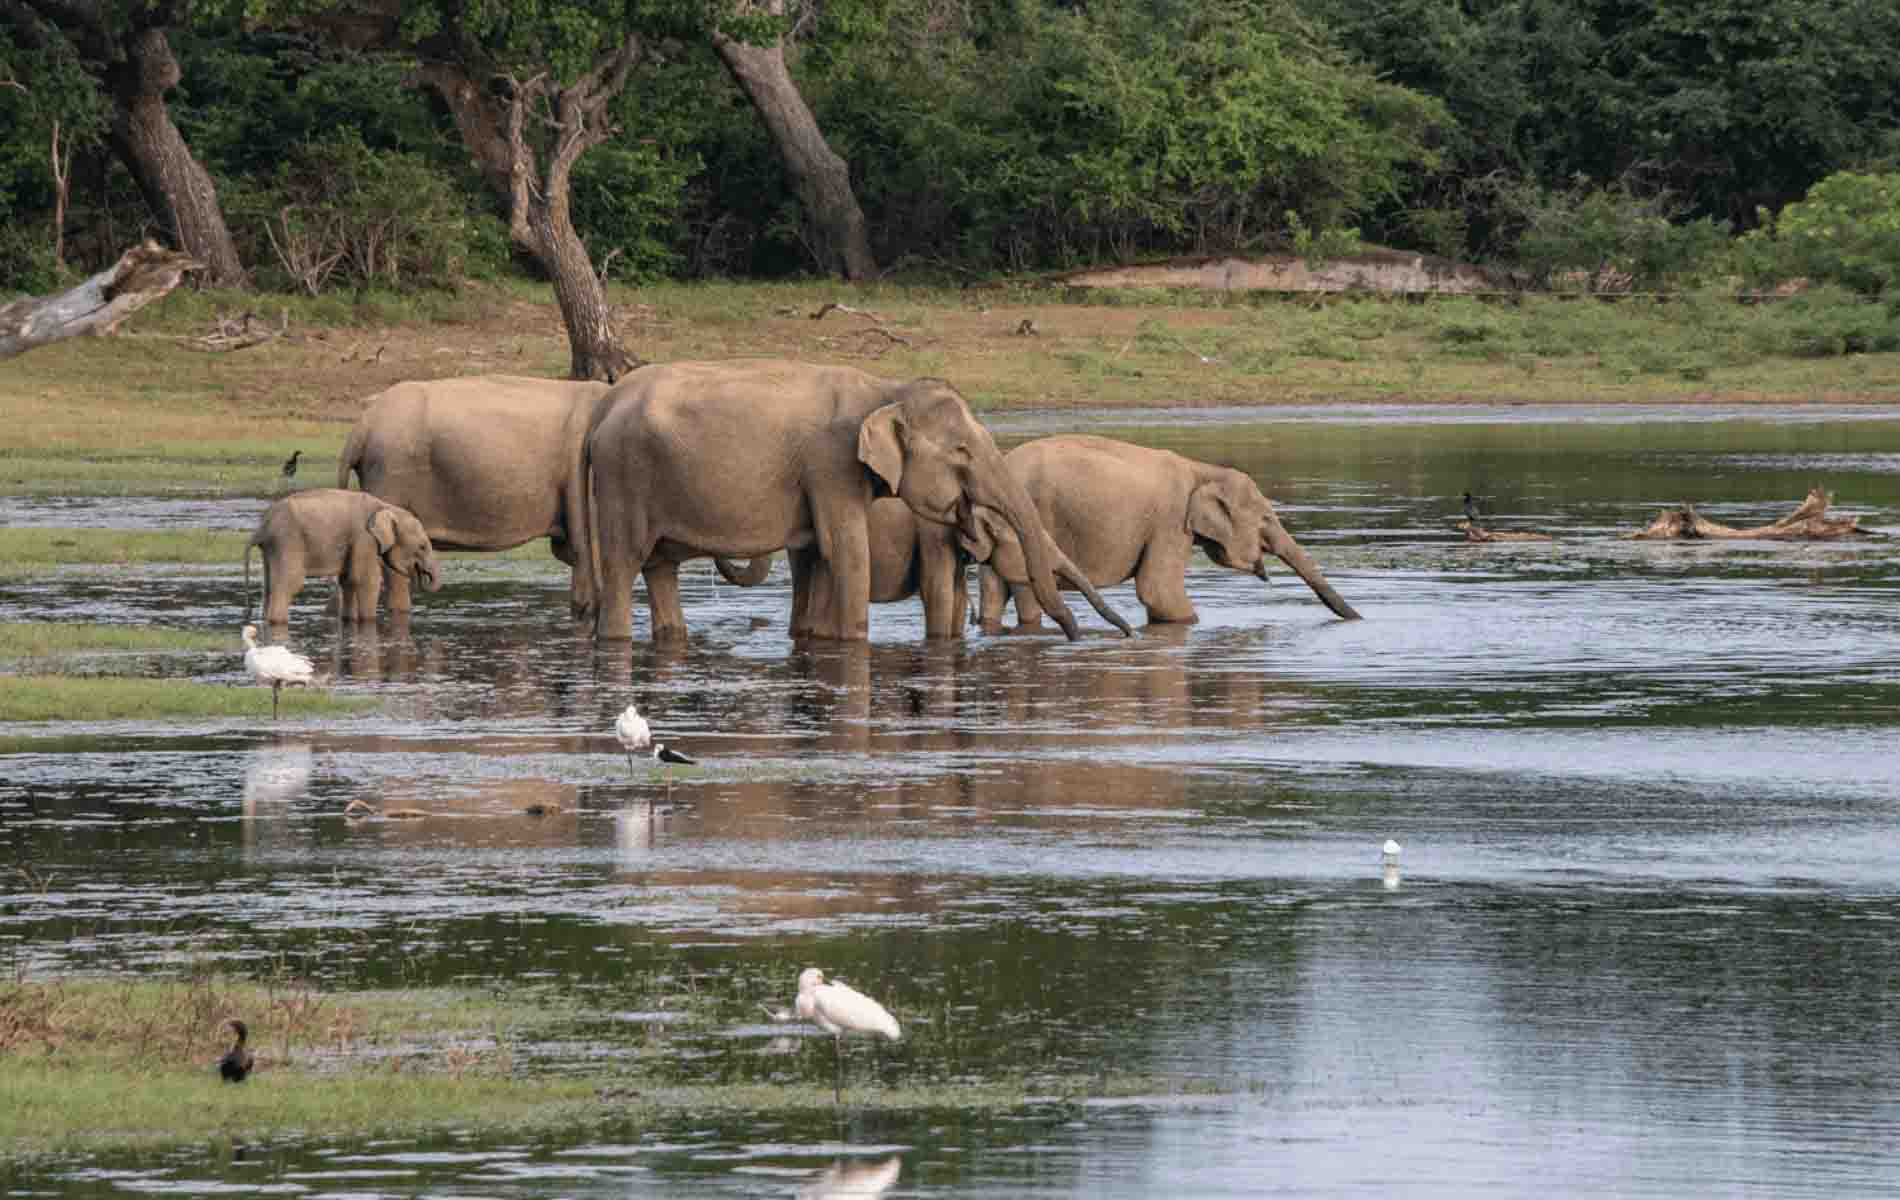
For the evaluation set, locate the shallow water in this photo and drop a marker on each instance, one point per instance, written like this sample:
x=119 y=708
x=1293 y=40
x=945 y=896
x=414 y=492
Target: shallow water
x=1643 y=934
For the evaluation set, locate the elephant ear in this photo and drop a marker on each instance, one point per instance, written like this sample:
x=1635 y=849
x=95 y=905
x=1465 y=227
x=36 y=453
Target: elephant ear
x=1210 y=514
x=382 y=527
x=881 y=440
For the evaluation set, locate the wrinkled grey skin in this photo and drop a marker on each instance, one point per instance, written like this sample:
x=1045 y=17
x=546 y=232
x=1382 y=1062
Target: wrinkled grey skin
x=487 y=462
x=1122 y=511
x=743 y=458
x=352 y=537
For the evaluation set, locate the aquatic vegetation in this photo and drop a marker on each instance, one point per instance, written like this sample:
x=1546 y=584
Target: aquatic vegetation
x=63 y=698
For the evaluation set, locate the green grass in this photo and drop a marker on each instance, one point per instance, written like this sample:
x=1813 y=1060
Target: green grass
x=38 y=546
x=62 y=698
x=43 y=639
x=95 y=1063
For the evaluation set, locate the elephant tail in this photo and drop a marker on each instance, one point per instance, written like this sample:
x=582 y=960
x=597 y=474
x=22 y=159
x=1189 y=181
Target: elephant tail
x=351 y=459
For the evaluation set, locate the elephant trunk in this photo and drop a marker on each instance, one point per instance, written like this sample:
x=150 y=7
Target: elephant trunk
x=428 y=574
x=1039 y=549
x=751 y=575
x=1067 y=569
x=1294 y=555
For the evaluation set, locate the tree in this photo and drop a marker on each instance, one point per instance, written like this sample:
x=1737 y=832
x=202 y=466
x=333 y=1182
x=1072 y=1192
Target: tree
x=126 y=47
x=821 y=179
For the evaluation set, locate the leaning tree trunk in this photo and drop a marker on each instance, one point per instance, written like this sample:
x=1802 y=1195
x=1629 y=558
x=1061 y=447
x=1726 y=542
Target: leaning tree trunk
x=143 y=274
x=495 y=128
x=172 y=180
x=820 y=177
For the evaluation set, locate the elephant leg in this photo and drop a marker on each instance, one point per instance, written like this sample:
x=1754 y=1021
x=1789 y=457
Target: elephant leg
x=282 y=580
x=807 y=575
x=663 y=600
x=847 y=554
x=400 y=592
x=1028 y=608
x=1161 y=586
x=994 y=597
x=940 y=581
x=623 y=554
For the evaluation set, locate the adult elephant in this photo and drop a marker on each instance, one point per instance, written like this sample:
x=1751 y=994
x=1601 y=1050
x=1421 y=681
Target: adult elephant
x=486 y=462
x=744 y=458
x=1122 y=511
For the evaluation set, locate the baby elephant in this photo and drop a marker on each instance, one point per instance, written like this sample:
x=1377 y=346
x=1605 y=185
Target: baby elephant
x=352 y=536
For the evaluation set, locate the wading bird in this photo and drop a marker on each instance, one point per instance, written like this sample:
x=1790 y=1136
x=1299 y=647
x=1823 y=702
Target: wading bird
x=276 y=665
x=237 y=1062
x=631 y=729
x=290 y=467
x=1471 y=507
x=838 y=1009
x=666 y=756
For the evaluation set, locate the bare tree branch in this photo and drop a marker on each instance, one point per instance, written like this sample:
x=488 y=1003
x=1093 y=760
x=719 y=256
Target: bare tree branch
x=143 y=274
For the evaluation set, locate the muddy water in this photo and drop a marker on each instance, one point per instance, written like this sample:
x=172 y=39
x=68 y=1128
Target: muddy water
x=1641 y=941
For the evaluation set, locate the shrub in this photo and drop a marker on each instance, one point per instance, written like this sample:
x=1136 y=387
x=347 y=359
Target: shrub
x=1846 y=231
x=1608 y=238
x=338 y=212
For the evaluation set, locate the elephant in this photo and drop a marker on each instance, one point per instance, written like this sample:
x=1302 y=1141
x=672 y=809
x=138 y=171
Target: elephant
x=747 y=457
x=489 y=462
x=486 y=462
x=1122 y=511
x=352 y=536
x=908 y=554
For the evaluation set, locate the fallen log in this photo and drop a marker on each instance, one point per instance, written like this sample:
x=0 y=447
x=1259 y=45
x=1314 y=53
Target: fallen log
x=143 y=274
x=1476 y=533
x=1808 y=522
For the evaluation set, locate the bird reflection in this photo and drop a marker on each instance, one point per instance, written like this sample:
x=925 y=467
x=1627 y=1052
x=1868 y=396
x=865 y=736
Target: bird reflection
x=859 y=1179
x=276 y=775
x=637 y=825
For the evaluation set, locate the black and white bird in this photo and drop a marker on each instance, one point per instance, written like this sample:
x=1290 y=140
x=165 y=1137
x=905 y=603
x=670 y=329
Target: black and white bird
x=290 y=467
x=237 y=1062
x=1471 y=507
x=667 y=757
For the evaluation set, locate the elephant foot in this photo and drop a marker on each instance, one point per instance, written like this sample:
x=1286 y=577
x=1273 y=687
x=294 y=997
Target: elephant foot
x=674 y=634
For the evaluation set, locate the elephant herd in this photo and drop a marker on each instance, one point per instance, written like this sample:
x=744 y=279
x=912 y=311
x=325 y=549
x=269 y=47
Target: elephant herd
x=876 y=489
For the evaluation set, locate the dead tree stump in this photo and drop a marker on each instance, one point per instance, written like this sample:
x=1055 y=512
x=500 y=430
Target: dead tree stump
x=1808 y=522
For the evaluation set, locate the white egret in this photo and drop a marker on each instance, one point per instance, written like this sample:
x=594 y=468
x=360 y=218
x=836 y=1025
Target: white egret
x=1389 y=873
x=278 y=666
x=839 y=1009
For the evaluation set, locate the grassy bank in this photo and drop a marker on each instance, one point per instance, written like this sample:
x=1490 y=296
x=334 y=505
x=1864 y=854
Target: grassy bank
x=97 y=1063
x=94 y=1064
x=35 y=546
x=148 y=413
x=66 y=698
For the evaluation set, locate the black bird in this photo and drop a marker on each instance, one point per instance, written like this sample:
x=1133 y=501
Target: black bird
x=667 y=757
x=1471 y=508
x=237 y=1062
x=290 y=465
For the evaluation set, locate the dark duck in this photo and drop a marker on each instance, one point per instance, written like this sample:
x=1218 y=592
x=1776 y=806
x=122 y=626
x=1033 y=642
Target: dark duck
x=237 y=1062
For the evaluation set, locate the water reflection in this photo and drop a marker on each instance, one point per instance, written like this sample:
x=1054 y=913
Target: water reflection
x=843 y=1179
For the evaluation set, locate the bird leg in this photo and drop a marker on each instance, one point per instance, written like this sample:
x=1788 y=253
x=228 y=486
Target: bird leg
x=629 y=764
x=837 y=1082
x=275 y=690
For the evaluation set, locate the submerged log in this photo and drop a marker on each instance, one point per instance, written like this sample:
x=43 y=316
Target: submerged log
x=142 y=274
x=1476 y=533
x=1808 y=522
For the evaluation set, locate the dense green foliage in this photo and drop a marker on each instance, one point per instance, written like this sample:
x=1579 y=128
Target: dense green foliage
x=1847 y=232
x=1575 y=138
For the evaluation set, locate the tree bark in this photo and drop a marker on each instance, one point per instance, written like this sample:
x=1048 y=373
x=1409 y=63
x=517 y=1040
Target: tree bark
x=142 y=275
x=821 y=179
x=174 y=183
x=135 y=68
x=494 y=125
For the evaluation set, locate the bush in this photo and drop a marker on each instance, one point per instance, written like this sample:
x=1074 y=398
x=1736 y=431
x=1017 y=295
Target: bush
x=1827 y=322
x=1608 y=238
x=1847 y=231
x=626 y=203
x=338 y=212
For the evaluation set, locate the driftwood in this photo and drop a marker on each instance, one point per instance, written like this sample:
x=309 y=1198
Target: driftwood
x=244 y=331
x=1474 y=533
x=143 y=274
x=1809 y=522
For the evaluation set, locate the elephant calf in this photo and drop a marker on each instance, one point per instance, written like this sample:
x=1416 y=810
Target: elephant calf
x=351 y=536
